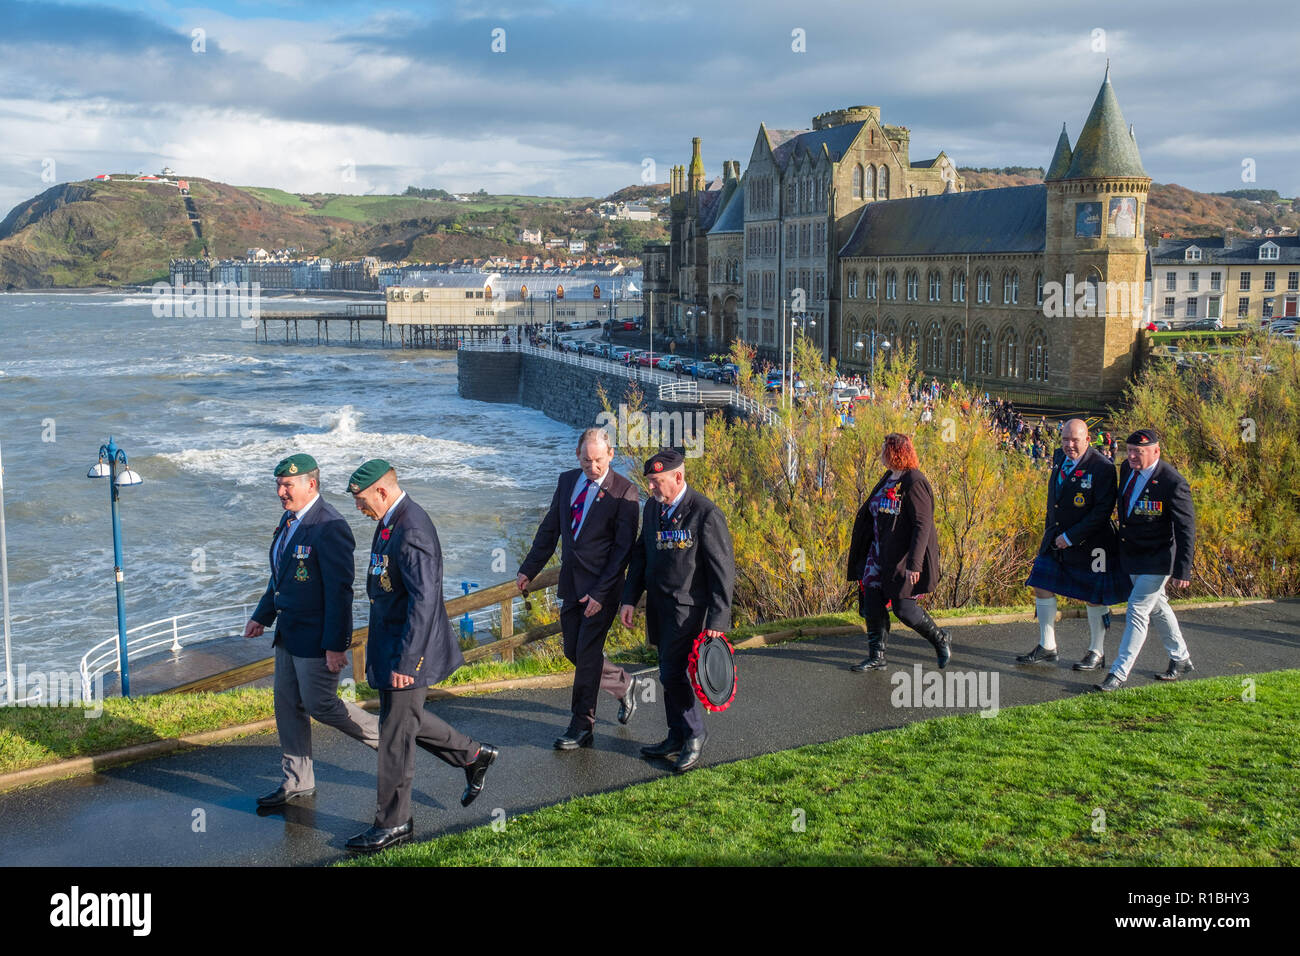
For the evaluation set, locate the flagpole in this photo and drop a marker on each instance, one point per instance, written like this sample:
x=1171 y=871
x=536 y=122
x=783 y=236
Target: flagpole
x=4 y=580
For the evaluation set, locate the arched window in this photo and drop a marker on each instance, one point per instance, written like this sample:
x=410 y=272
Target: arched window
x=871 y=284
x=790 y=192
x=936 y=286
x=956 y=349
x=1010 y=288
x=913 y=285
x=1038 y=288
x=1036 y=356
x=982 y=347
x=869 y=184
x=884 y=182
x=958 y=286
x=911 y=336
x=1090 y=288
x=1008 y=359
x=891 y=285
x=933 y=347
x=982 y=283
x=852 y=284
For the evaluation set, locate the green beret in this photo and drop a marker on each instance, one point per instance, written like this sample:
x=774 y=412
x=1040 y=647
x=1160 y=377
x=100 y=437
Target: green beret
x=295 y=465
x=368 y=474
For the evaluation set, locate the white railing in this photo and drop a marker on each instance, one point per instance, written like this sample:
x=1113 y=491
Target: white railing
x=689 y=392
x=183 y=630
x=636 y=373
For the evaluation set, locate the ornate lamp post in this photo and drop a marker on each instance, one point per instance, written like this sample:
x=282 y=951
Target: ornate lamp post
x=110 y=457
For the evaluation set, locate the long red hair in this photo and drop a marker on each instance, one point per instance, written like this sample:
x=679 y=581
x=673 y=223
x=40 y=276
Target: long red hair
x=899 y=453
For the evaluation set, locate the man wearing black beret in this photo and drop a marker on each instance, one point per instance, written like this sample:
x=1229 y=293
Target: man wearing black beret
x=682 y=562
x=309 y=599
x=410 y=647
x=1157 y=532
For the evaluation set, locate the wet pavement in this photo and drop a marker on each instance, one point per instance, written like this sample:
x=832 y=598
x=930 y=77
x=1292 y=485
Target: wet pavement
x=198 y=807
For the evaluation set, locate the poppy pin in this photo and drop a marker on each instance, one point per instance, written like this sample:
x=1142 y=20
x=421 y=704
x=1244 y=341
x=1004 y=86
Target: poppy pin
x=386 y=533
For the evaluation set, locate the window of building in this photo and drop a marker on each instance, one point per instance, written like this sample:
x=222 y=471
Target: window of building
x=1267 y=311
x=956 y=348
x=1193 y=281
x=1268 y=251
x=1270 y=281
x=791 y=280
x=751 y=290
x=852 y=284
x=819 y=286
x=1293 y=282
x=1038 y=288
x=913 y=286
x=1193 y=254
x=1216 y=281
x=1244 y=282
x=1036 y=357
x=1169 y=307
x=982 y=346
x=883 y=192
x=871 y=284
x=933 y=347
x=791 y=239
x=936 y=286
x=891 y=285
x=1171 y=281
x=805 y=281
x=1191 y=307
x=1008 y=360
x=1243 y=306
x=1091 y=286
x=869 y=184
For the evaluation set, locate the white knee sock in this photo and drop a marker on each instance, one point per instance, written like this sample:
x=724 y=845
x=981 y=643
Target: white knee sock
x=1097 y=628
x=1046 y=608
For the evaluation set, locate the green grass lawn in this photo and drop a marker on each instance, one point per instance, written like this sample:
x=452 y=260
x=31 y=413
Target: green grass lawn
x=1182 y=775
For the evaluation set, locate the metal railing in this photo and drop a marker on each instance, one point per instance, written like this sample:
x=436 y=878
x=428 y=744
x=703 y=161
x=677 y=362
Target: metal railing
x=195 y=627
x=689 y=393
x=636 y=373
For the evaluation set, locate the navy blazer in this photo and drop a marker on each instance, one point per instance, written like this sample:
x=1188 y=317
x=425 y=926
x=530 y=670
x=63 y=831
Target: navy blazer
x=1159 y=533
x=700 y=575
x=312 y=594
x=595 y=563
x=1080 y=508
x=409 y=630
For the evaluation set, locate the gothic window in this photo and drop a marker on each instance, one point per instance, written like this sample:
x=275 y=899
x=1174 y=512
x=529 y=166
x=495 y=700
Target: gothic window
x=1038 y=288
x=936 y=287
x=982 y=344
x=1036 y=356
x=852 y=284
x=884 y=182
x=958 y=286
x=933 y=347
x=891 y=285
x=956 y=349
x=871 y=284
x=1008 y=361
x=869 y=184
x=911 y=335
x=913 y=286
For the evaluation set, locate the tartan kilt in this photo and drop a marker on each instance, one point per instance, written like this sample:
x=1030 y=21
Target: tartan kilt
x=1052 y=574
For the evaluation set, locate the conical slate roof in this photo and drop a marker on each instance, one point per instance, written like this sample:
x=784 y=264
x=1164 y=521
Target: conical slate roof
x=1060 y=164
x=1106 y=146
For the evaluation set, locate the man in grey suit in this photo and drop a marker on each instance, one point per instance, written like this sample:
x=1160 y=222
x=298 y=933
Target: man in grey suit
x=310 y=592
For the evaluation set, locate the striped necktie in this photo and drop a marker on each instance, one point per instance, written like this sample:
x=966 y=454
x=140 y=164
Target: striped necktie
x=1066 y=466
x=576 y=513
x=1128 y=492
x=284 y=539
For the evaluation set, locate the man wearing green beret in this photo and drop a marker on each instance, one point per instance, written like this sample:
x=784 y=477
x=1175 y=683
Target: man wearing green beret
x=309 y=599
x=409 y=648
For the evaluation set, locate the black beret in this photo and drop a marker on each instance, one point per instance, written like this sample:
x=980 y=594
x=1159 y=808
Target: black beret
x=666 y=459
x=1144 y=436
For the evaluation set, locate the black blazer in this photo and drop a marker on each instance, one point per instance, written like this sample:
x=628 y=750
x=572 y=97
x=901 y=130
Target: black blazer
x=409 y=630
x=312 y=594
x=1159 y=535
x=594 y=564
x=910 y=544
x=1080 y=508
x=700 y=575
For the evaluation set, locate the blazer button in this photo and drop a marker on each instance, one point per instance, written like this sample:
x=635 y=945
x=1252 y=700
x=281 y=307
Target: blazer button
x=277 y=593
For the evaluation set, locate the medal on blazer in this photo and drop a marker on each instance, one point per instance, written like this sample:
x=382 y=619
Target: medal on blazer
x=302 y=552
x=1078 y=500
x=1087 y=482
x=669 y=540
x=1148 y=508
x=301 y=574
x=385 y=581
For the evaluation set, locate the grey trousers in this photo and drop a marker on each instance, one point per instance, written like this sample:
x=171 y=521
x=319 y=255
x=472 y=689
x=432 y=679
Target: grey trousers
x=404 y=725
x=306 y=688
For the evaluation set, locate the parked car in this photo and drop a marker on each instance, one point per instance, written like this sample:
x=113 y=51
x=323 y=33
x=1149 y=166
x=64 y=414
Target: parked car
x=618 y=352
x=629 y=326
x=706 y=369
x=1204 y=325
x=727 y=374
x=589 y=348
x=645 y=358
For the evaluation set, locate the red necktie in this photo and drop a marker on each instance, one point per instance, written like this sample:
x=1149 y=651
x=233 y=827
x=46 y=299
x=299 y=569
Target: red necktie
x=576 y=516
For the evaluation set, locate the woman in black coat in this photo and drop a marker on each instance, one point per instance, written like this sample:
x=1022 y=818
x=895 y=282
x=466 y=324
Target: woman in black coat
x=894 y=553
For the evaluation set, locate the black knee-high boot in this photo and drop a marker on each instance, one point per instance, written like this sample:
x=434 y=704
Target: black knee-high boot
x=939 y=639
x=877 y=620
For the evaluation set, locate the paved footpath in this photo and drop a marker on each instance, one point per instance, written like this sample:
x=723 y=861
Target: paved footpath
x=790 y=695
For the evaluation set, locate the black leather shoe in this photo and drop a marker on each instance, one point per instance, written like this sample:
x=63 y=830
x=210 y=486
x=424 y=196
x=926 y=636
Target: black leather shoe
x=282 y=796
x=1109 y=684
x=1039 y=655
x=573 y=739
x=475 y=773
x=627 y=703
x=1176 y=669
x=690 y=755
x=1092 y=661
x=378 y=838
x=668 y=748
x=870 y=664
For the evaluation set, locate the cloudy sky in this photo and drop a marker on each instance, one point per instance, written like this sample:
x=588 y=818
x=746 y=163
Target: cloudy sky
x=578 y=98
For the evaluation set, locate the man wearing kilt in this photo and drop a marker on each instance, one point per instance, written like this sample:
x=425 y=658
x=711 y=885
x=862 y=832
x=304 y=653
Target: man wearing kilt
x=1077 y=557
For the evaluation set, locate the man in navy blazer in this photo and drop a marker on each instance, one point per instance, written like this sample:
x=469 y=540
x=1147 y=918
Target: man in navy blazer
x=594 y=512
x=1157 y=537
x=410 y=646
x=309 y=599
